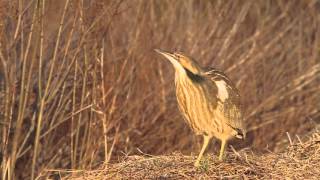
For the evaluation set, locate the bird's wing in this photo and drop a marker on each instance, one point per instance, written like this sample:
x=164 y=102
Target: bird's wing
x=229 y=97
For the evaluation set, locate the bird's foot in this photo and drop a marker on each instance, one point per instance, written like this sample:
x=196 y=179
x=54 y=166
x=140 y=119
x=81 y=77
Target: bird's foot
x=220 y=158
x=197 y=164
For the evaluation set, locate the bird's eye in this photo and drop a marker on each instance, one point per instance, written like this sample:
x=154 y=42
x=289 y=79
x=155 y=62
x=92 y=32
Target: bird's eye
x=176 y=55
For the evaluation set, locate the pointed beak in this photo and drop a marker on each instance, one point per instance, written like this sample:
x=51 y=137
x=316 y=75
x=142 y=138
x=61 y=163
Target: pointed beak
x=173 y=59
x=167 y=55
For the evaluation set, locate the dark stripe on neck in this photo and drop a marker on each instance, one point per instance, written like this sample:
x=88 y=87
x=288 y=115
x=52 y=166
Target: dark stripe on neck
x=194 y=77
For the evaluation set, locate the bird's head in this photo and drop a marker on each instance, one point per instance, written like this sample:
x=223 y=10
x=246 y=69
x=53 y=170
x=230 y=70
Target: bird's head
x=181 y=63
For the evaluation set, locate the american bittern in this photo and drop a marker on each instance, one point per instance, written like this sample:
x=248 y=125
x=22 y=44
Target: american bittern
x=208 y=100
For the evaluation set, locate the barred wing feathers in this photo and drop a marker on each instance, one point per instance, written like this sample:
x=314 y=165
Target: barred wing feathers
x=228 y=98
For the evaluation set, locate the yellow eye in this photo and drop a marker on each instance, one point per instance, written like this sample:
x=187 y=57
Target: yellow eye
x=177 y=55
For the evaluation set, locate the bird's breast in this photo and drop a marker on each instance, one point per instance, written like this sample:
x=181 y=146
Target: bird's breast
x=198 y=104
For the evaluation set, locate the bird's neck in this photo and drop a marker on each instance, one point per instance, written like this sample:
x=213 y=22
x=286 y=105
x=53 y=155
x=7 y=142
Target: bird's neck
x=188 y=77
x=180 y=77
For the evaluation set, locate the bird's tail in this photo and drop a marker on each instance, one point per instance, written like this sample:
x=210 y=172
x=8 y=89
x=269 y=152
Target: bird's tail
x=241 y=133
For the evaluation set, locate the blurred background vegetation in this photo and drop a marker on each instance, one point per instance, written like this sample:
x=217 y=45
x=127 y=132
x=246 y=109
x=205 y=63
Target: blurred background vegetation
x=81 y=85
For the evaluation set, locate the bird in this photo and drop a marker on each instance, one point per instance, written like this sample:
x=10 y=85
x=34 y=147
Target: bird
x=208 y=100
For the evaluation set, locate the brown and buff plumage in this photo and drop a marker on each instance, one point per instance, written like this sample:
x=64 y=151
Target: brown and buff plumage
x=208 y=100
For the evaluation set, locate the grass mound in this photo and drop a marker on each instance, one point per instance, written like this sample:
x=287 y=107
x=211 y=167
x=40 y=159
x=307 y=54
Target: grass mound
x=300 y=160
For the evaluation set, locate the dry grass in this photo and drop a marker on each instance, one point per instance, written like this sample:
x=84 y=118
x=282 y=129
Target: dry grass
x=299 y=161
x=80 y=83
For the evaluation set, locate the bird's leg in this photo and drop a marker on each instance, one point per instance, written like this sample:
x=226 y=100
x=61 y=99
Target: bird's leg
x=204 y=146
x=223 y=144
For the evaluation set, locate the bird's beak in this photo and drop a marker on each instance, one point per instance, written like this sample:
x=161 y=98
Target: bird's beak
x=172 y=58
x=167 y=55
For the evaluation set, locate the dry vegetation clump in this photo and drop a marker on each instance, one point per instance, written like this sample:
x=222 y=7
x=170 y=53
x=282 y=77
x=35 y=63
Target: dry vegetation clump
x=80 y=83
x=300 y=160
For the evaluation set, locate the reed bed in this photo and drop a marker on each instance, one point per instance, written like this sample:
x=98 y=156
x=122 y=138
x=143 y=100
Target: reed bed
x=80 y=83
